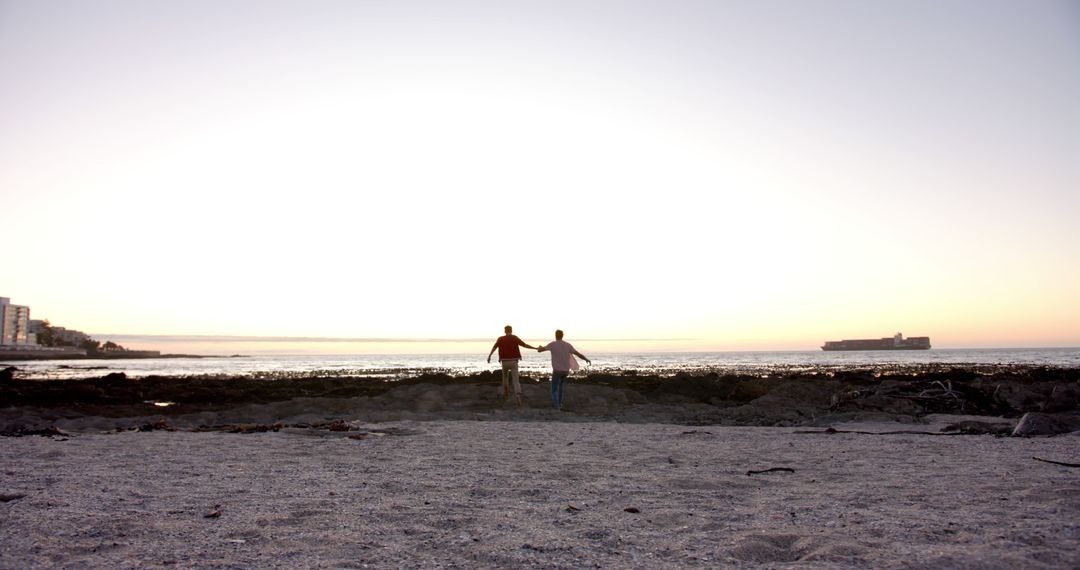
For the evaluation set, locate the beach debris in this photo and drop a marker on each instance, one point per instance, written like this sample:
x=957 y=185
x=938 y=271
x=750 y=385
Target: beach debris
x=899 y=432
x=333 y=425
x=946 y=390
x=770 y=470
x=213 y=513
x=254 y=428
x=22 y=431
x=971 y=427
x=394 y=431
x=339 y=425
x=8 y=497
x=241 y=428
x=571 y=507
x=384 y=432
x=158 y=425
x=1056 y=462
x=633 y=510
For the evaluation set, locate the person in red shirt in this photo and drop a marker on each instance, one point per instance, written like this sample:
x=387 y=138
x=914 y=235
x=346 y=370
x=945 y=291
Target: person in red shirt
x=509 y=355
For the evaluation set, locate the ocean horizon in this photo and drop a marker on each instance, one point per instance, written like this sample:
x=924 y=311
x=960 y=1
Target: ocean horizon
x=466 y=363
x=285 y=345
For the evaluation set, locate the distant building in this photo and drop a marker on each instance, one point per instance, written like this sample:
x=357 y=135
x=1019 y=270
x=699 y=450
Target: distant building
x=60 y=336
x=14 y=323
x=69 y=337
x=37 y=326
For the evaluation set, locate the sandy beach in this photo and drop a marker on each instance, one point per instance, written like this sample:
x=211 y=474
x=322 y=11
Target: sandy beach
x=636 y=472
x=540 y=493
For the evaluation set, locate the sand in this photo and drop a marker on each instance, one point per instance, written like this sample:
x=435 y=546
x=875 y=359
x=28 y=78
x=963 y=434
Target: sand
x=539 y=492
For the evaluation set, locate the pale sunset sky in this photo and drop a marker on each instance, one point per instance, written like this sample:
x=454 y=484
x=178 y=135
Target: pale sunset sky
x=682 y=175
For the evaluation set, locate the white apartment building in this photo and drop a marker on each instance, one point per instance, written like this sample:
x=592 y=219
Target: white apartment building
x=14 y=323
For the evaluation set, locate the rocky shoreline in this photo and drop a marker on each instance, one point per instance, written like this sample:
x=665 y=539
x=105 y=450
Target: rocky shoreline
x=773 y=399
x=30 y=355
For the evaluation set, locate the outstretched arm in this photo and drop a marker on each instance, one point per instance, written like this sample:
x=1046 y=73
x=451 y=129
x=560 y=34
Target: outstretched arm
x=527 y=345
x=583 y=357
x=493 y=347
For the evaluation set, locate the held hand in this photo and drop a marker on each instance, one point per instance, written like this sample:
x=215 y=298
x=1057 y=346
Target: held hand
x=489 y=359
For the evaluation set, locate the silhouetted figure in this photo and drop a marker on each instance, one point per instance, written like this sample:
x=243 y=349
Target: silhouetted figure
x=562 y=362
x=509 y=356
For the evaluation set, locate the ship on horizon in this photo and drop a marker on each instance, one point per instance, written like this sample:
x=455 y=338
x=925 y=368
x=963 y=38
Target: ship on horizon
x=897 y=342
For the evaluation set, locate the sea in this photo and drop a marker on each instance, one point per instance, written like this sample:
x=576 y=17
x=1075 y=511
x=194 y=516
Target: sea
x=662 y=364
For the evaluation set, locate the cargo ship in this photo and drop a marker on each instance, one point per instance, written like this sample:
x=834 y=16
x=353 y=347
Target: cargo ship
x=897 y=342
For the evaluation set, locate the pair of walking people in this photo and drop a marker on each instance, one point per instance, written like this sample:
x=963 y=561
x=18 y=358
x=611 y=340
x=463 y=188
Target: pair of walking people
x=562 y=362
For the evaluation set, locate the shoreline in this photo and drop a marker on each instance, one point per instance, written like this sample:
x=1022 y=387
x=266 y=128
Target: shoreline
x=795 y=399
x=132 y=355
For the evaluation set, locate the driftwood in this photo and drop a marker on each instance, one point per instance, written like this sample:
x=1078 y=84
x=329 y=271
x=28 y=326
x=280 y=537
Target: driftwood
x=902 y=432
x=946 y=390
x=787 y=469
x=1056 y=462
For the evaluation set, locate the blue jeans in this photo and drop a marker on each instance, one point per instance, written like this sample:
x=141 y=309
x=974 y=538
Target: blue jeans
x=558 y=380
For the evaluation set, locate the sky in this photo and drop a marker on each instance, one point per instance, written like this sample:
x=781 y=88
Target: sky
x=677 y=175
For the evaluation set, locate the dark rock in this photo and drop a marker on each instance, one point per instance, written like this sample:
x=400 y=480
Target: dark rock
x=8 y=374
x=790 y=398
x=1036 y=423
x=1062 y=398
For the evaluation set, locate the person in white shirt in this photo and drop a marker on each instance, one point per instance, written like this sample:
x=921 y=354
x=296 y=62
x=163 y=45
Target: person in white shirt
x=562 y=362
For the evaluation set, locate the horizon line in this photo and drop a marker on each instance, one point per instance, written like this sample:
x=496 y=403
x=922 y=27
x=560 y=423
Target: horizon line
x=302 y=339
